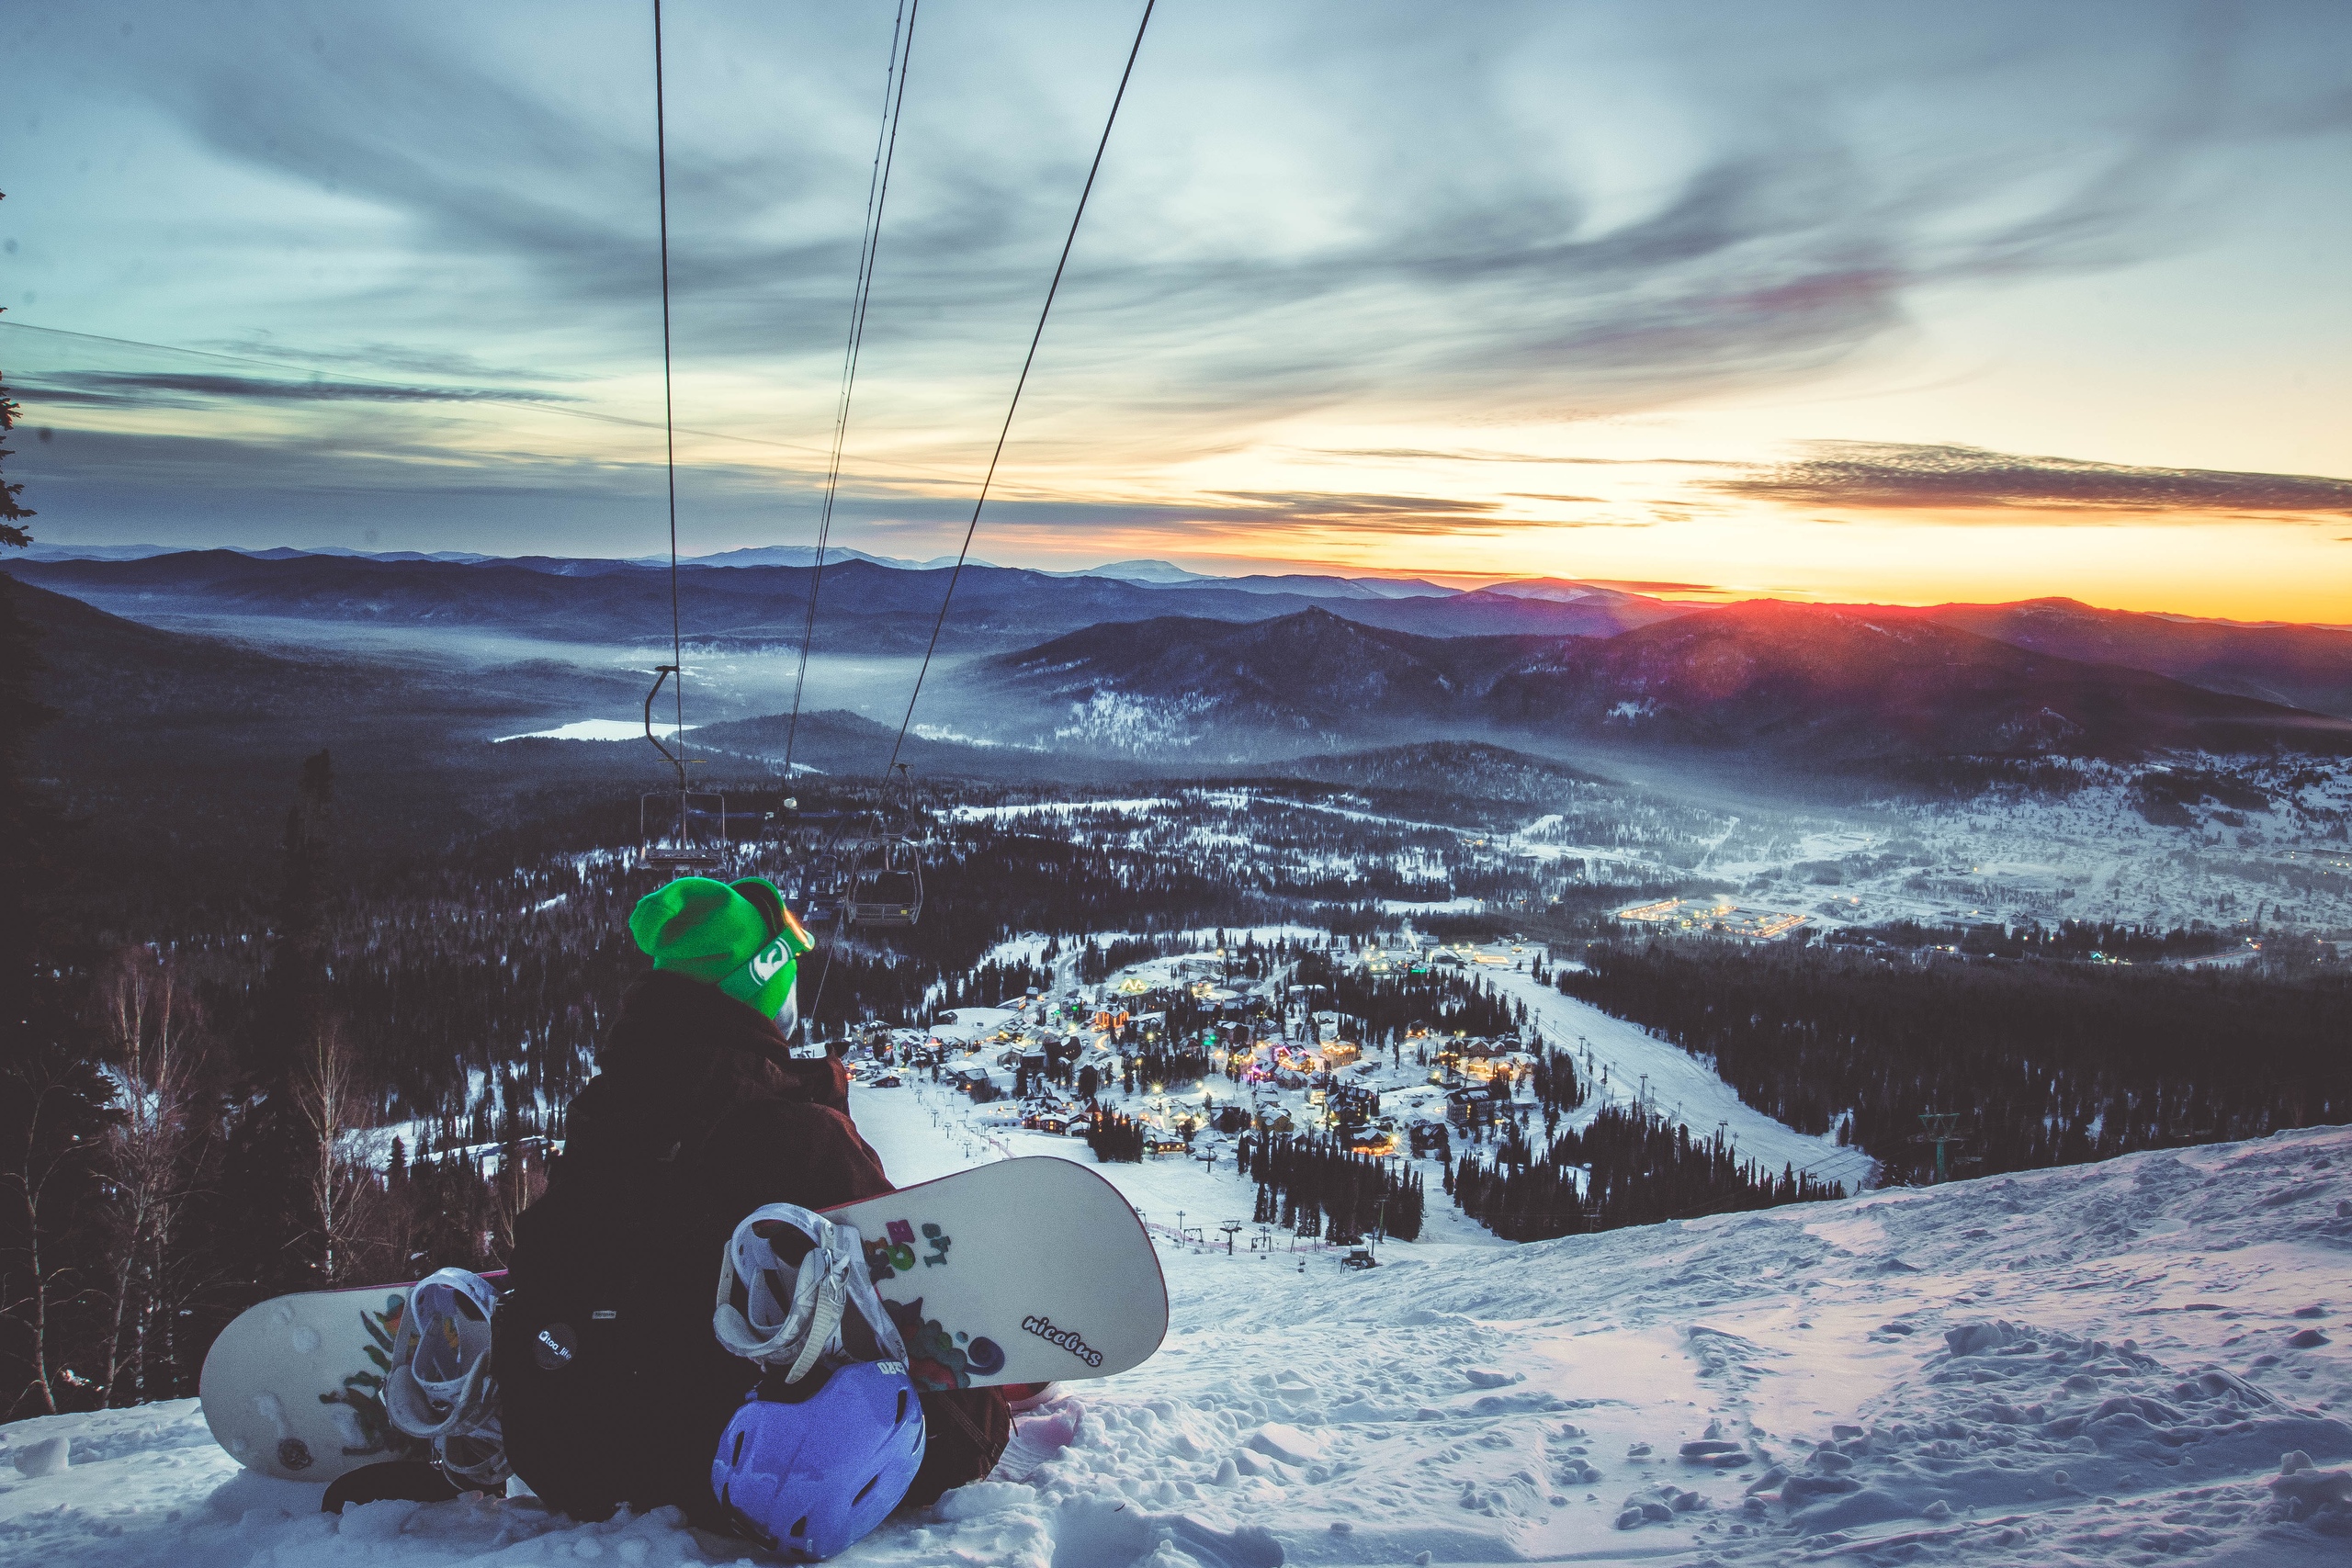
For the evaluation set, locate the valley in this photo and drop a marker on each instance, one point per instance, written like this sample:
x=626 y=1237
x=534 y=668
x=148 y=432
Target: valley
x=415 y=836
x=1340 y=787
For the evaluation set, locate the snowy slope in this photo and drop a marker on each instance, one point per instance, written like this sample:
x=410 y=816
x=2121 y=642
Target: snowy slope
x=2103 y=1364
x=1671 y=1082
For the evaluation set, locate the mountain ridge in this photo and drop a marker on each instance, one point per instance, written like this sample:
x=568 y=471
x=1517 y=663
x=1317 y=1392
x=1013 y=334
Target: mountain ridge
x=2301 y=666
x=871 y=605
x=878 y=608
x=1767 y=676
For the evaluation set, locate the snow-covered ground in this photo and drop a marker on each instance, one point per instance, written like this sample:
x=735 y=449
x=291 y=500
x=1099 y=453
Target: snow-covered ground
x=2091 y=856
x=2184 y=838
x=1029 y=947
x=2133 y=1362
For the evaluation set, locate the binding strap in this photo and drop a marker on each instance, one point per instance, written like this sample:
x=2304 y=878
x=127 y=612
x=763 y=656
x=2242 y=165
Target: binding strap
x=789 y=1314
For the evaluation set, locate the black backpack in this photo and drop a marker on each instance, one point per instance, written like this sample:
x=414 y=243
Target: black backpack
x=612 y=1387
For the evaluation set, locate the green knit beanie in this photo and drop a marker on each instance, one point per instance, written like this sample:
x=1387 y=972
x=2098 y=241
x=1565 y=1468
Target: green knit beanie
x=740 y=938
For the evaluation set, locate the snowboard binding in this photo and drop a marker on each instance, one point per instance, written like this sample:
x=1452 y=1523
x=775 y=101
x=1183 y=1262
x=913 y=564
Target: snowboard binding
x=787 y=1283
x=440 y=1388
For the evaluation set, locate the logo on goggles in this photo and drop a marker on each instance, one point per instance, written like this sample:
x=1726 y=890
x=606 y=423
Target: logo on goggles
x=766 y=964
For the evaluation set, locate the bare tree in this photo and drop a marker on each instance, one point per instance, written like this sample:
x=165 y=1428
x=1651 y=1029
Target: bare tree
x=522 y=1177
x=51 y=1157
x=152 y=1024
x=342 y=1177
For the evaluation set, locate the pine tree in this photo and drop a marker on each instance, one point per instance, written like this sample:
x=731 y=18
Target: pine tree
x=271 y=1175
x=13 y=533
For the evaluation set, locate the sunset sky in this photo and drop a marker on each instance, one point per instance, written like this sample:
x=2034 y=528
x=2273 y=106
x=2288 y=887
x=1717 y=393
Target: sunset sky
x=1864 y=301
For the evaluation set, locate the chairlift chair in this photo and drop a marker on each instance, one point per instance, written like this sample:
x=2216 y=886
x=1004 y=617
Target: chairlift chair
x=886 y=874
x=886 y=884
x=681 y=831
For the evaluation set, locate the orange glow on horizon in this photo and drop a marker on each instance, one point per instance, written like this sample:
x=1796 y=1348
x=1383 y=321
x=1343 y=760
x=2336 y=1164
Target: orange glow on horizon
x=2247 y=573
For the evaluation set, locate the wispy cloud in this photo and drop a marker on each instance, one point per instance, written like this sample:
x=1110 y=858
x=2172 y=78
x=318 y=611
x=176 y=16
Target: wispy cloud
x=1631 y=585
x=1328 y=258
x=402 y=358
x=150 y=389
x=1965 y=480
x=1249 y=517
x=1361 y=515
x=1475 y=454
x=1784 y=241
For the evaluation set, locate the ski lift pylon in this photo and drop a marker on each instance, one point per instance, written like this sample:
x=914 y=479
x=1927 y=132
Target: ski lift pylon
x=682 y=831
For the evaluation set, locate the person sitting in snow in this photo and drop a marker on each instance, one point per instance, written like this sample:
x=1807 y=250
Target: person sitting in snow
x=703 y=1112
x=706 y=1135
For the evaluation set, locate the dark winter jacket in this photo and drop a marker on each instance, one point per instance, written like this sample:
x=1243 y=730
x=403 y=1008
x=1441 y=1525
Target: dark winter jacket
x=686 y=1067
x=697 y=1118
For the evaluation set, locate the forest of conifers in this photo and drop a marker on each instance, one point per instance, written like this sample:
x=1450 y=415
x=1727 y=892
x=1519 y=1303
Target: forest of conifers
x=1628 y=1167
x=2045 y=1064
x=460 y=996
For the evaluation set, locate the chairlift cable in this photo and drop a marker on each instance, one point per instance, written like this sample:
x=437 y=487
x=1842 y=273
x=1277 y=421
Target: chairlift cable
x=877 y=196
x=669 y=417
x=973 y=527
x=816 y=998
x=909 y=915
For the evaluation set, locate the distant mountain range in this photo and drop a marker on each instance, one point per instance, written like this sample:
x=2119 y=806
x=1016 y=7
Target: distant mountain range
x=2305 y=667
x=768 y=554
x=1768 y=683
x=1152 y=573
x=1801 y=683
x=1153 y=653
x=866 y=606
x=170 y=722
x=195 y=740
x=116 y=681
x=1158 y=573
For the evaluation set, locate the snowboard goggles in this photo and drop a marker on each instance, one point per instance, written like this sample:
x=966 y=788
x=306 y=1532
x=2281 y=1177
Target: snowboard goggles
x=748 y=979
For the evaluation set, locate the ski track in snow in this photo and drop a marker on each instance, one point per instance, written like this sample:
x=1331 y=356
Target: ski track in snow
x=1680 y=1086
x=2102 y=1364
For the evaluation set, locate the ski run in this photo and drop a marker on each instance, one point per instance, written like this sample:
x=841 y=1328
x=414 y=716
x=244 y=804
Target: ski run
x=2133 y=1362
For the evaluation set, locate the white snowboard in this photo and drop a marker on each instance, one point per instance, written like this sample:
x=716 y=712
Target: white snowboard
x=1027 y=1271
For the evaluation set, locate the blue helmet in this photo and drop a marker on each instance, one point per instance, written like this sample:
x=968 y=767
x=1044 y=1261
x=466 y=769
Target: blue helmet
x=806 y=1469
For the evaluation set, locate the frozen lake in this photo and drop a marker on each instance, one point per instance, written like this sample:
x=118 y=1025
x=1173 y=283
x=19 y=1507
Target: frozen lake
x=597 y=729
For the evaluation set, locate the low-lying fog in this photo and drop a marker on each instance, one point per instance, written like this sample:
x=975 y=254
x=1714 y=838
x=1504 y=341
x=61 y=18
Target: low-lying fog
x=721 y=684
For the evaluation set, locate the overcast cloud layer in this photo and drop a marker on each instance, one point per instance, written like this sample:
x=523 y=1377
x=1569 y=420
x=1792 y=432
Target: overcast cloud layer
x=1644 y=237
